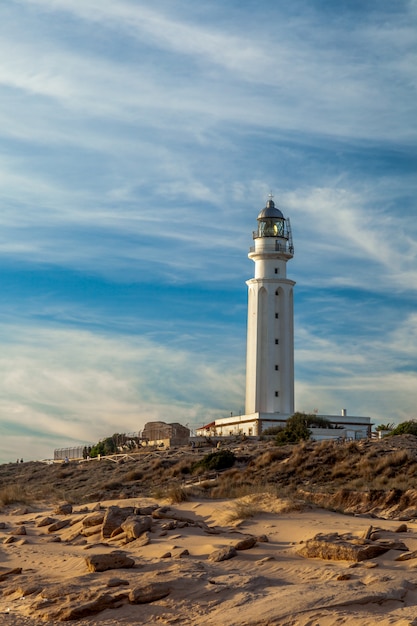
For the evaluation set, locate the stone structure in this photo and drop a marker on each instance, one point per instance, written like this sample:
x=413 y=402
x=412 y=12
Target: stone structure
x=160 y=433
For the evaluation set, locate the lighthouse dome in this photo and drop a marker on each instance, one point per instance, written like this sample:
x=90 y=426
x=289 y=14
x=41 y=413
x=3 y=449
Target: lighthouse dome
x=270 y=211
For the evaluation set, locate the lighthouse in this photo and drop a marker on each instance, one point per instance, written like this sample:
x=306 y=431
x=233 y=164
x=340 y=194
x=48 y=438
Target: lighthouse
x=270 y=330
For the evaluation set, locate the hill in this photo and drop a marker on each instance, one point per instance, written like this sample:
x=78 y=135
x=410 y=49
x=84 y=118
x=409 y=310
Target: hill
x=364 y=476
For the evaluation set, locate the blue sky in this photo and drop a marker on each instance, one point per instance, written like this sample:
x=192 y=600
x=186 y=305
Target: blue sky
x=139 y=141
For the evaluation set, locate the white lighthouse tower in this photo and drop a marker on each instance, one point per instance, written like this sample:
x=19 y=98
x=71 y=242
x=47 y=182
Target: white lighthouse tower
x=270 y=338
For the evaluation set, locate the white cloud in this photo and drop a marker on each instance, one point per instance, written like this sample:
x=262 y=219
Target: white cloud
x=75 y=386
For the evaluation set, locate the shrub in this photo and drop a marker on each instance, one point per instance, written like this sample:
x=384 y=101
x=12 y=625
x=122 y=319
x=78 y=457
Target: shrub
x=405 y=428
x=298 y=428
x=215 y=461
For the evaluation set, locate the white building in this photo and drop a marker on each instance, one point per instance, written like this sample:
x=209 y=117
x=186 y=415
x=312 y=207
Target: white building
x=270 y=339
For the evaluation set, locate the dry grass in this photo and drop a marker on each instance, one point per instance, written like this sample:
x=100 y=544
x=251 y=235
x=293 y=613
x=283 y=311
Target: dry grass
x=14 y=494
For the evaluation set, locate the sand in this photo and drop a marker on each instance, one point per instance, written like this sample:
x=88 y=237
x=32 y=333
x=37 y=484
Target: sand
x=267 y=584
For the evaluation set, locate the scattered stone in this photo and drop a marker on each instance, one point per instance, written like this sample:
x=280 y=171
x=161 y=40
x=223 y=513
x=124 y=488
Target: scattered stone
x=104 y=562
x=407 y=556
x=370 y=564
x=135 y=526
x=10 y=572
x=91 y=607
x=117 y=582
x=245 y=544
x=58 y=525
x=96 y=507
x=344 y=576
x=149 y=593
x=10 y=539
x=223 y=554
x=46 y=521
x=21 y=530
x=147 y=510
x=95 y=519
x=182 y=553
x=262 y=539
x=166 y=555
x=89 y=531
x=57 y=539
x=265 y=560
x=336 y=548
x=402 y=528
x=114 y=518
x=3 y=525
x=143 y=540
x=63 y=509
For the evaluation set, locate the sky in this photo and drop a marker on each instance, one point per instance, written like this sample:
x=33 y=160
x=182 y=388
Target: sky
x=139 y=140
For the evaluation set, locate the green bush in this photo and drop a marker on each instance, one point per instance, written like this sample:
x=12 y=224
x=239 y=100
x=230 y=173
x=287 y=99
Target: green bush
x=215 y=461
x=405 y=428
x=298 y=428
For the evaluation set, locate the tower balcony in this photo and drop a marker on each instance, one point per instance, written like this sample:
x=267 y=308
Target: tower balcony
x=266 y=245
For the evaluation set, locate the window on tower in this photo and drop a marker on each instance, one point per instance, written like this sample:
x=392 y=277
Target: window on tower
x=276 y=316
x=276 y=368
x=276 y=342
x=277 y=394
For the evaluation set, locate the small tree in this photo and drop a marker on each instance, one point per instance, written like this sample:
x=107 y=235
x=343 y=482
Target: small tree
x=298 y=428
x=405 y=428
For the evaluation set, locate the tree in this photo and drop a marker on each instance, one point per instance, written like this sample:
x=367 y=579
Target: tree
x=298 y=428
x=405 y=428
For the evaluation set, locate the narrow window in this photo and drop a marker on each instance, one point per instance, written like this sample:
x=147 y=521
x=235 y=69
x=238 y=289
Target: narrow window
x=276 y=368
x=277 y=293
x=276 y=270
x=276 y=316
x=276 y=342
x=277 y=394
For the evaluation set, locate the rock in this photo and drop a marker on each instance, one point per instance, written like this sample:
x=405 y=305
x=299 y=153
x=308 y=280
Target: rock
x=245 y=544
x=402 y=528
x=262 y=539
x=336 y=548
x=58 y=525
x=10 y=572
x=393 y=545
x=147 y=510
x=135 y=526
x=223 y=554
x=407 y=556
x=344 y=576
x=148 y=593
x=117 y=582
x=96 y=507
x=63 y=509
x=91 y=607
x=21 y=530
x=166 y=555
x=114 y=518
x=104 y=562
x=3 y=525
x=10 y=539
x=89 y=531
x=143 y=540
x=95 y=519
x=171 y=525
x=182 y=553
x=46 y=521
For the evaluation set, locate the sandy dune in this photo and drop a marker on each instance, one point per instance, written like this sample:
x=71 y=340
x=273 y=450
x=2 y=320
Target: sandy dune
x=269 y=583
